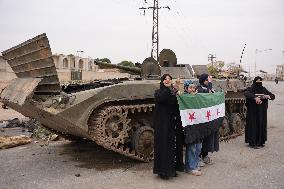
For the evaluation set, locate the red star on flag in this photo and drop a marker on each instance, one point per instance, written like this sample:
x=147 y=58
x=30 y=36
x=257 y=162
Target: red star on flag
x=208 y=115
x=191 y=116
x=218 y=112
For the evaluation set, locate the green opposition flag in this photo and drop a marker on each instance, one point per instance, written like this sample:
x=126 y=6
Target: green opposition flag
x=201 y=114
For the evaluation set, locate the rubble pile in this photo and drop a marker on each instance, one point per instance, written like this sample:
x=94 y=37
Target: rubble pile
x=13 y=141
x=30 y=125
x=44 y=134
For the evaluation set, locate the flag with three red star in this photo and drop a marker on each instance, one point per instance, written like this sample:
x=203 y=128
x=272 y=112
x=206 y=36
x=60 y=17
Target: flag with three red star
x=201 y=114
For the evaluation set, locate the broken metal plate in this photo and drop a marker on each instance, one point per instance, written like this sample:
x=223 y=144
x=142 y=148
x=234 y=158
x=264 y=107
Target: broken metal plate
x=20 y=90
x=33 y=59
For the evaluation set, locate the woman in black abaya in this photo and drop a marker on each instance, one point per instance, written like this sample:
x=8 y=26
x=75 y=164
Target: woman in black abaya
x=257 y=98
x=166 y=158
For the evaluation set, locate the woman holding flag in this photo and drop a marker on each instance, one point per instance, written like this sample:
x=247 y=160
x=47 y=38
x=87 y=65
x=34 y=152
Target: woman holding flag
x=211 y=142
x=201 y=117
x=167 y=135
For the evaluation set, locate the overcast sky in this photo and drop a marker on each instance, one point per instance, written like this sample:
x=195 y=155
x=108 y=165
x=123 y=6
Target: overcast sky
x=117 y=29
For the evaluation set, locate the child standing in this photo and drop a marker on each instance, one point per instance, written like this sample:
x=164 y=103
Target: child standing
x=193 y=150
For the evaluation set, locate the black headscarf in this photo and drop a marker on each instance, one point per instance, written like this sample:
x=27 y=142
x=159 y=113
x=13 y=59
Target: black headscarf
x=163 y=78
x=202 y=78
x=257 y=86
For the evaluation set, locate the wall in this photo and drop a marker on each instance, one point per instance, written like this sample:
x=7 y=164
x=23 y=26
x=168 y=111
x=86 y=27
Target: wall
x=6 y=74
x=64 y=75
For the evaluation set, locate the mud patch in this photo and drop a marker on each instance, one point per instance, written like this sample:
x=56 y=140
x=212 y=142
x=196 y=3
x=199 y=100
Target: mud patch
x=91 y=156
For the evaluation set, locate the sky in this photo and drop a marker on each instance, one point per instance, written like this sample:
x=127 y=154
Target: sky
x=118 y=30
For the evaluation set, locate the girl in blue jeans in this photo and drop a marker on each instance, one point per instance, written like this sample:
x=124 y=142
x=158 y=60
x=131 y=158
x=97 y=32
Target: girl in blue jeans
x=193 y=150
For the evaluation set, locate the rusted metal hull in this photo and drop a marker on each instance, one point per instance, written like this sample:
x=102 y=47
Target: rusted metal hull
x=52 y=121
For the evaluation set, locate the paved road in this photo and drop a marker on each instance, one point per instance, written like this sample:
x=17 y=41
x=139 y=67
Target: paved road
x=236 y=165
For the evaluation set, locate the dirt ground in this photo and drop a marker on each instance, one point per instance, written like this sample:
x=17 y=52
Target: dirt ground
x=65 y=164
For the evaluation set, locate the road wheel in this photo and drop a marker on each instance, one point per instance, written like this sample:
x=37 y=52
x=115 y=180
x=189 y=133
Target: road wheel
x=225 y=128
x=236 y=123
x=143 y=141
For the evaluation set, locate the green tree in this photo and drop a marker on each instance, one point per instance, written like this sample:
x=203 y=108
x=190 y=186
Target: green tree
x=126 y=63
x=104 y=60
x=216 y=68
x=213 y=71
x=234 y=67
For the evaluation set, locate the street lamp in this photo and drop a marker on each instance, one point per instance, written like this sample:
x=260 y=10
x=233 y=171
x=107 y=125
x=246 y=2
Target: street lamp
x=256 y=51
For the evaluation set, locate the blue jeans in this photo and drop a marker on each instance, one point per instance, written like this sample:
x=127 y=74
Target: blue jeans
x=192 y=156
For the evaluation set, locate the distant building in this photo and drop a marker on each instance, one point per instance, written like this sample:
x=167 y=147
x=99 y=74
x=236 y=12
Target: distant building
x=70 y=67
x=75 y=63
x=267 y=76
x=280 y=72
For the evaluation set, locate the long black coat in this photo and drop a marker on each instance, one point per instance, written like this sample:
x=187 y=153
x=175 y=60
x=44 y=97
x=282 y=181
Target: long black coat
x=256 y=119
x=211 y=142
x=166 y=155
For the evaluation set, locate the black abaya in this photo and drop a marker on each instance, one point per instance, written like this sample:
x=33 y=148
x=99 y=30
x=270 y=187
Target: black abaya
x=256 y=119
x=166 y=152
x=211 y=142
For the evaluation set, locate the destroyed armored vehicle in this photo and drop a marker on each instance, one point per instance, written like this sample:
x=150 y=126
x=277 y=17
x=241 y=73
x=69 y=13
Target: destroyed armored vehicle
x=115 y=114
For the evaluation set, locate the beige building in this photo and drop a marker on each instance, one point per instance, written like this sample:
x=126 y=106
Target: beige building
x=70 y=67
x=267 y=76
x=280 y=72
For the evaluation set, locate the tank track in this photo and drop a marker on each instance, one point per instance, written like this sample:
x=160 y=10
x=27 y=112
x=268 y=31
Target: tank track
x=235 y=130
x=111 y=128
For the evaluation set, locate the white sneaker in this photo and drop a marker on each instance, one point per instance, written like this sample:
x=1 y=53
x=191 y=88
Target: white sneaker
x=195 y=172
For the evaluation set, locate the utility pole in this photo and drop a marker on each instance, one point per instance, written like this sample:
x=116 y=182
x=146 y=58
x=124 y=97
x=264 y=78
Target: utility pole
x=256 y=51
x=155 y=29
x=238 y=73
x=211 y=58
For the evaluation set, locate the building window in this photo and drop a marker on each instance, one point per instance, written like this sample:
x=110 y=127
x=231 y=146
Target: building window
x=65 y=63
x=90 y=66
x=81 y=64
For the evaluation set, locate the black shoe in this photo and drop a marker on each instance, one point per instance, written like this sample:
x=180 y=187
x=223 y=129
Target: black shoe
x=164 y=177
x=253 y=146
x=260 y=145
x=180 y=169
x=176 y=175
